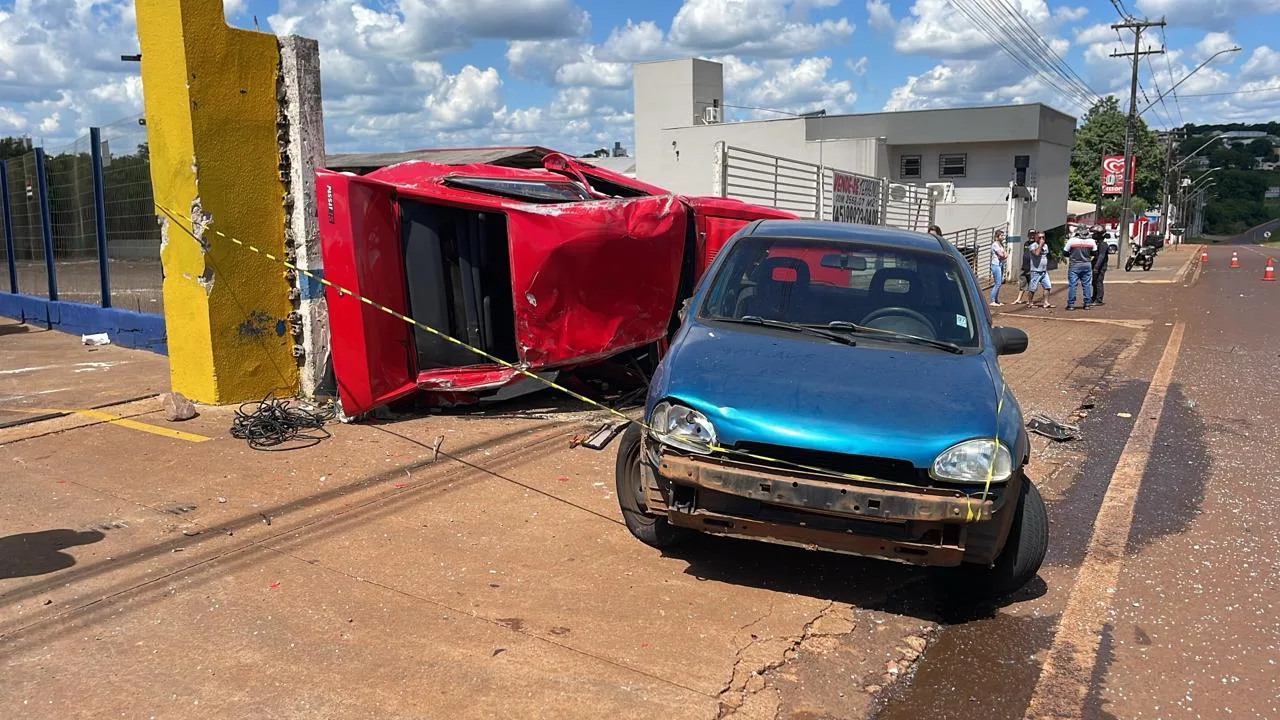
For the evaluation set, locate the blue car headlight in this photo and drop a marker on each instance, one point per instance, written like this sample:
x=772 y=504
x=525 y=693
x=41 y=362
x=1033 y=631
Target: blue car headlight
x=682 y=428
x=974 y=461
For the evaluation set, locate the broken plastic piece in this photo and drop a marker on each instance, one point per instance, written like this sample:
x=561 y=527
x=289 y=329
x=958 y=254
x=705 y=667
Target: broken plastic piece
x=601 y=438
x=1042 y=424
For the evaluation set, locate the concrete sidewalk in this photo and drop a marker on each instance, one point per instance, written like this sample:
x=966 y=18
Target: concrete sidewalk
x=146 y=574
x=1173 y=265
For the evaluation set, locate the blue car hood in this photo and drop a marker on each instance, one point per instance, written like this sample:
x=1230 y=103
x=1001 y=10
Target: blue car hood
x=905 y=402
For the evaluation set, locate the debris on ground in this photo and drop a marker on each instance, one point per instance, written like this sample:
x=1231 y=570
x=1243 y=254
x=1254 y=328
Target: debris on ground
x=1042 y=424
x=279 y=424
x=96 y=339
x=177 y=407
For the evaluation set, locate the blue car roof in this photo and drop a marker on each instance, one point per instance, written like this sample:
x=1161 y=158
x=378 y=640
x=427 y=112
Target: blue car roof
x=873 y=234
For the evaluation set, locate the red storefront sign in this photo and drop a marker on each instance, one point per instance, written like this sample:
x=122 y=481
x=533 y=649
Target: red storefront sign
x=1113 y=174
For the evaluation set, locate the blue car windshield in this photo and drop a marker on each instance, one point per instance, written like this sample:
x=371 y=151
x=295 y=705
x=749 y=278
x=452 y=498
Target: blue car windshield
x=844 y=285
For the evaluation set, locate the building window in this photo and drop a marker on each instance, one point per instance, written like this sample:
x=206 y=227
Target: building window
x=909 y=167
x=1020 y=165
x=952 y=166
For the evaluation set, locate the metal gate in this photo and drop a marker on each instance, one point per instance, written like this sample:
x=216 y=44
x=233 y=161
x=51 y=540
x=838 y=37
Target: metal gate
x=793 y=185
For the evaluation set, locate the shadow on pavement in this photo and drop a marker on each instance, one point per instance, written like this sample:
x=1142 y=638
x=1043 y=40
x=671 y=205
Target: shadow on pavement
x=40 y=553
x=931 y=594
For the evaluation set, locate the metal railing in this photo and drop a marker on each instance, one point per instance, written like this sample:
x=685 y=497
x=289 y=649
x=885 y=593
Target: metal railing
x=793 y=185
x=79 y=224
x=975 y=245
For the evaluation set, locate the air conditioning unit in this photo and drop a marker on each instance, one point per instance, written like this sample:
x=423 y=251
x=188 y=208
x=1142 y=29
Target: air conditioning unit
x=943 y=192
x=710 y=115
x=897 y=191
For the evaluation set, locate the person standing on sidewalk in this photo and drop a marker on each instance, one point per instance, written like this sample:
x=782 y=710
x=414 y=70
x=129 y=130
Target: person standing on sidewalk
x=998 y=254
x=1100 y=259
x=1024 y=272
x=1080 y=251
x=1039 y=272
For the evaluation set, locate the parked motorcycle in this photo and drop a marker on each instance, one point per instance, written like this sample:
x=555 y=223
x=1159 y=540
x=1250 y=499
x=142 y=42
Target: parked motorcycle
x=1144 y=254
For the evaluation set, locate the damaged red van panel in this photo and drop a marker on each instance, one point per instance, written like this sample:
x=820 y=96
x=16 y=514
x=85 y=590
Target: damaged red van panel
x=546 y=269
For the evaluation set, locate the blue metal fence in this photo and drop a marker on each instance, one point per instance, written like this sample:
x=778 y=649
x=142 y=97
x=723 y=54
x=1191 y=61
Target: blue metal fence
x=81 y=245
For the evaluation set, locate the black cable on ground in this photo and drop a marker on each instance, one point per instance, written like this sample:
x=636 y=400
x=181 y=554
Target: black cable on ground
x=273 y=423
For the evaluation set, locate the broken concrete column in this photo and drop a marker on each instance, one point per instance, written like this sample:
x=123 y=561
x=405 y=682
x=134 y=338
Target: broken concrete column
x=210 y=98
x=301 y=143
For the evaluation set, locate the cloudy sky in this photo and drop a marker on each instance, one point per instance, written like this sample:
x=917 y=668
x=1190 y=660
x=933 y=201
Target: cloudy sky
x=416 y=73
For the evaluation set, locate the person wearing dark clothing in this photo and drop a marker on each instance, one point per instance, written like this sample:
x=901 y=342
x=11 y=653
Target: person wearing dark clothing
x=1024 y=273
x=1100 y=259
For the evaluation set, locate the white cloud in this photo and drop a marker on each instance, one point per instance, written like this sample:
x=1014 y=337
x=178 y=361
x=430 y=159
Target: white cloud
x=879 y=16
x=1212 y=43
x=1207 y=14
x=1263 y=64
x=466 y=100
x=858 y=67
x=752 y=27
x=791 y=86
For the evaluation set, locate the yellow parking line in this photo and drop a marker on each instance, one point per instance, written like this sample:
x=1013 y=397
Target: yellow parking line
x=122 y=422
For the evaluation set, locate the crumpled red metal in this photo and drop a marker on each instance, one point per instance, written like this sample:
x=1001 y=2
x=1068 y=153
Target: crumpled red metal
x=590 y=278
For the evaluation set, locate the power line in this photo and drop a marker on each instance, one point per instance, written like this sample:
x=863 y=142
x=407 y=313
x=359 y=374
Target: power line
x=1025 y=48
x=1060 y=66
x=1169 y=66
x=1273 y=88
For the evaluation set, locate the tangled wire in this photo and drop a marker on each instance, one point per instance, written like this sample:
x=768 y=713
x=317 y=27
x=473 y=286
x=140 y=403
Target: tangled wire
x=272 y=423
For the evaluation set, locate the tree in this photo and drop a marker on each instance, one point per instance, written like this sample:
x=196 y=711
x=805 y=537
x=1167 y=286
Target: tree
x=11 y=147
x=1232 y=158
x=1102 y=133
x=1260 y=148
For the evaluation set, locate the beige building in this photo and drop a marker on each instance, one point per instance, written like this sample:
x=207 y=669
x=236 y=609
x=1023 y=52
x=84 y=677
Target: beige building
x=988 y=166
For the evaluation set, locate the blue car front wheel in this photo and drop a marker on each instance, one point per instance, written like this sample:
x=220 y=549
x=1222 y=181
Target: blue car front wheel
x=653 y=530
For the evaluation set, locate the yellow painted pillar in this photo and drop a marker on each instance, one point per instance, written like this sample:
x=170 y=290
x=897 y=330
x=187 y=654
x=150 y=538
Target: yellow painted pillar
x=211 y=111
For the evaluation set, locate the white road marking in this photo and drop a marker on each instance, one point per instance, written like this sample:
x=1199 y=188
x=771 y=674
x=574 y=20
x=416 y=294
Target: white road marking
x=27 y=369
x=1064 y=682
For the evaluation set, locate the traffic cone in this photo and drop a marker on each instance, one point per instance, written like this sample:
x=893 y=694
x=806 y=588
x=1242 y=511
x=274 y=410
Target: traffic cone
x=1270 y=272
x=1235 y=260
x=1204 y=256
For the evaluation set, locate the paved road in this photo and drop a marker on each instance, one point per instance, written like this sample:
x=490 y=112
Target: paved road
x=1162 y=583
x=146 y=574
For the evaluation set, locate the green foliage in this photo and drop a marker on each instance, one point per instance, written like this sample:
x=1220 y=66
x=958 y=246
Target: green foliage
x=127 y=192
x=1102 y=133
x=1236 y=202
x=1231 y=158
x=1260 y=148
x=14 y=147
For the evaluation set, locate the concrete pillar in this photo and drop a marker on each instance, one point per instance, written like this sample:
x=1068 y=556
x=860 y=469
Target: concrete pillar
x=301 y=130
x=211 y=107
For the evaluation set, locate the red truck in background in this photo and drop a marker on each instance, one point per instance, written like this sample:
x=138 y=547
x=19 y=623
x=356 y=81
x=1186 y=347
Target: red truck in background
x=547 y=269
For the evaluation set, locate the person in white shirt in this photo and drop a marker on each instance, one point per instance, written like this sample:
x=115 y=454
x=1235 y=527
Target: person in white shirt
x=998 y=254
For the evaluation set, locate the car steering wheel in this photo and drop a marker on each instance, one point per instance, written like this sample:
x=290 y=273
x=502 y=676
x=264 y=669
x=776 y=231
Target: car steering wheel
x=909 y=314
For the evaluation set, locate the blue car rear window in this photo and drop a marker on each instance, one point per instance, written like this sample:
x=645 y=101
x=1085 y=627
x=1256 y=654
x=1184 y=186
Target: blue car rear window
x=816 y=282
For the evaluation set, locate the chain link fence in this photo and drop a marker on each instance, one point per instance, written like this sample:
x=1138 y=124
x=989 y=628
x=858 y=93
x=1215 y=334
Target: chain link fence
x=28 y=242
x=133 y=234
x=71 y=212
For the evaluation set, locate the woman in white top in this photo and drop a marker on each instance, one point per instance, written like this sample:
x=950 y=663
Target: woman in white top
x=998 y=253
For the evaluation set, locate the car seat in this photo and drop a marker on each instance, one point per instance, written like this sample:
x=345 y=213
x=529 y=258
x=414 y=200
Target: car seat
x=772 y=297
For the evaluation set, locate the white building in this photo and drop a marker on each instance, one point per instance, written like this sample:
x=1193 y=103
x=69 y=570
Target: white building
x=980 y=153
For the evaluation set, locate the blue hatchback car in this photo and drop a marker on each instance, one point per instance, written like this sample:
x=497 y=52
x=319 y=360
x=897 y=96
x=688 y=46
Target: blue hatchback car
x=836 y=386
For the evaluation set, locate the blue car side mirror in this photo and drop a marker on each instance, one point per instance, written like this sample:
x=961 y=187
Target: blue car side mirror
x=1009 y=340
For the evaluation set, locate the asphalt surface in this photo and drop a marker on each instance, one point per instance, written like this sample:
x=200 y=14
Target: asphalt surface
x=150 y=568
x=1178 y=619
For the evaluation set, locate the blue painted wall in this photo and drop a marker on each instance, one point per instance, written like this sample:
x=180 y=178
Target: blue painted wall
x=125 y=327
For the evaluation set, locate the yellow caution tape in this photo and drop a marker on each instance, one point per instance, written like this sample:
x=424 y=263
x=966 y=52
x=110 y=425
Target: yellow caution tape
x=551 y=383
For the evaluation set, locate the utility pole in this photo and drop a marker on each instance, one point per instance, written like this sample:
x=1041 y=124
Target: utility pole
x=1130 y=128
x=1164 y=185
